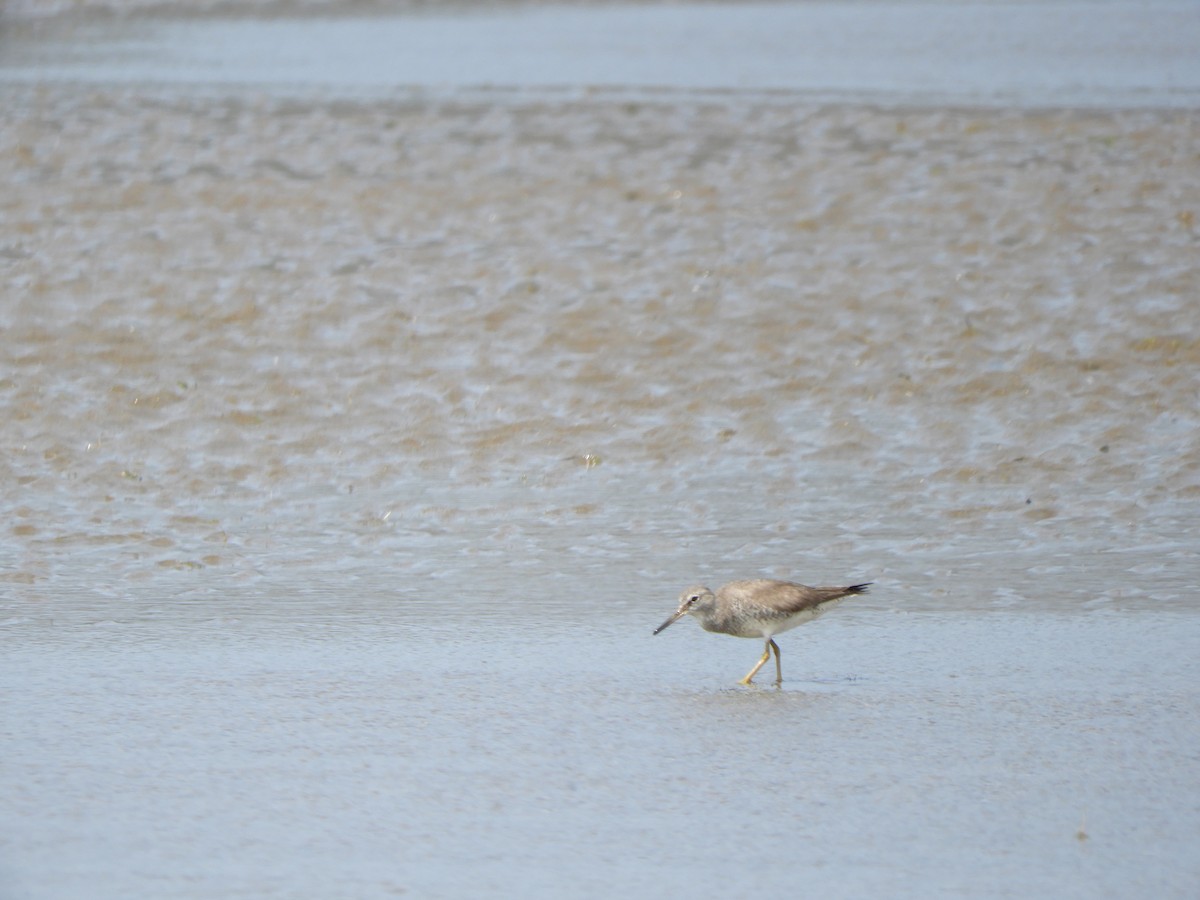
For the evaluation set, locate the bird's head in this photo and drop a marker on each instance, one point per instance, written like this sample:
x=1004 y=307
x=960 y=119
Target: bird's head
x=693 y=601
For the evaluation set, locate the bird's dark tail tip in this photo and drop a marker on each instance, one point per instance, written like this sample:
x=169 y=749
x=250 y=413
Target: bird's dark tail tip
x=859 y=588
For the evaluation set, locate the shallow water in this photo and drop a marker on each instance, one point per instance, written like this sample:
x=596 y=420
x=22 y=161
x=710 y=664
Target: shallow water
x=996 y=755
x=1043 y=53
x=354 y=446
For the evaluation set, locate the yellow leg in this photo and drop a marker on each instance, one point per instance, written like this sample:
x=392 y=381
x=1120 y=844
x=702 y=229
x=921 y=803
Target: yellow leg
x=778 y=663
x=762 y=662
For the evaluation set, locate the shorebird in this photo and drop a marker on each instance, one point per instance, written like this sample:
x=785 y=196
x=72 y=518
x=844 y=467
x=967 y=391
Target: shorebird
x=759 y=608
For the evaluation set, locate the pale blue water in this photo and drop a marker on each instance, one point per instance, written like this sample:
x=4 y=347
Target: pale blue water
x=980 y=53
x=368 y=753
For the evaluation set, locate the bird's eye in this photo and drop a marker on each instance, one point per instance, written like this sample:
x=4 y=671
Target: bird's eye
x=693 y=598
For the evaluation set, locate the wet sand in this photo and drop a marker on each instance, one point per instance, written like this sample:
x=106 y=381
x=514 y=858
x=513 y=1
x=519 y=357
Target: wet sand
x=354 y=446
x=865 y=335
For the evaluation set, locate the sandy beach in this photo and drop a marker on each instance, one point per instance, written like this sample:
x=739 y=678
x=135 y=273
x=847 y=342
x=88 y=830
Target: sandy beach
x=355 y=442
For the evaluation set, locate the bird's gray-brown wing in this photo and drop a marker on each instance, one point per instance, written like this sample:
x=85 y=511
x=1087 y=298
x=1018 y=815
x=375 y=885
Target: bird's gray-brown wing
x=787 y=598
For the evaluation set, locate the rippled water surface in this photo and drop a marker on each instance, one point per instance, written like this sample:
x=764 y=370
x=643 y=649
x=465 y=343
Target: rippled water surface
x=352 y=447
